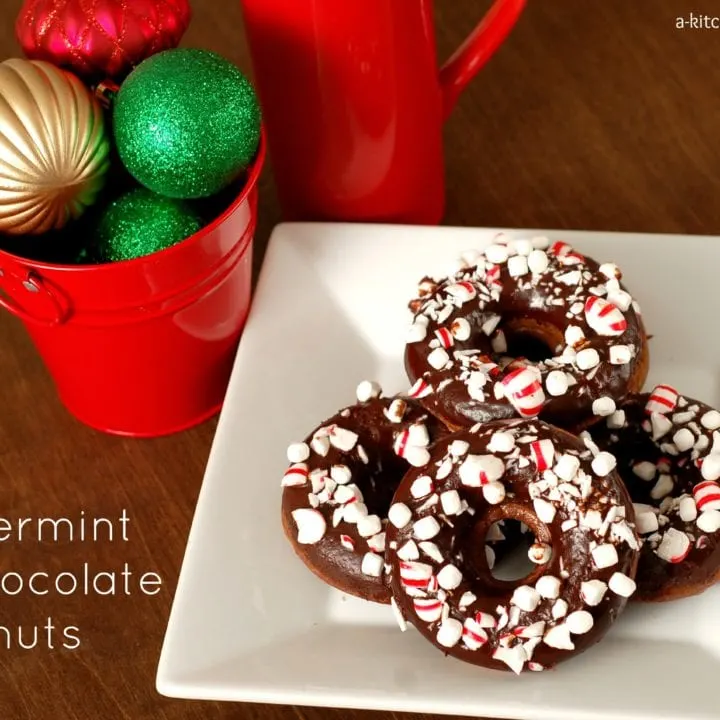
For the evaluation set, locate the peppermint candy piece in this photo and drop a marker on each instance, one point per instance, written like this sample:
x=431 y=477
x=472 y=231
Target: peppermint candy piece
x=473 y=635
x=514 y=657
x=479 y=470
x=310 y=525
x=522 y=387
x=420 y=389
x=604 y=317
x=462 y=291
x=445 y=337
x=295 y=475
x=663 y=399
x=429 y=610
x=415 y=574
x=674 y=546
x=542 y=453
x=707 y=495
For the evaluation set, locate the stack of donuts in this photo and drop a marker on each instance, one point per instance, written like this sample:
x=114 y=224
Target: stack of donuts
x=524 y=410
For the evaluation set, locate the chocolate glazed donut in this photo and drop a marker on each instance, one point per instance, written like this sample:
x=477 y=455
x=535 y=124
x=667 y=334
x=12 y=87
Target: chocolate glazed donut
x=527 y=292
x=340 y=483
x=586 y=548
x=668 y=452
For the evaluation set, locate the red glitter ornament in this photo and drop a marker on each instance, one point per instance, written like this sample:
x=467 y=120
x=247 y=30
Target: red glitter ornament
x=100 y=39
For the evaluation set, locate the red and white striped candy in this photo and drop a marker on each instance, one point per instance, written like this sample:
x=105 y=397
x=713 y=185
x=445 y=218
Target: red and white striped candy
x=295 y=475
x=478 y=470
x=492 y=276
x=407 y=447
x=347 y=542
x=543 y=453
x=707 y=495
x=663 y=399
x=415 y=574
x=560 y=249
x=445 y=336
x=473 y=636
x=572 y=258
x=463 y=291
x=427 y=609
x=420 y=389
x=485 y=620
x=524 y=390
x=674 y=547
x=604 y=317
x=401 y=443
x=536 y=629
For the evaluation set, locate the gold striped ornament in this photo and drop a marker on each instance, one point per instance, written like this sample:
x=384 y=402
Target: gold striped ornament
x=54 y=147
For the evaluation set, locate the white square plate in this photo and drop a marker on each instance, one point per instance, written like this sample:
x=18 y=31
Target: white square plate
x=251 y=623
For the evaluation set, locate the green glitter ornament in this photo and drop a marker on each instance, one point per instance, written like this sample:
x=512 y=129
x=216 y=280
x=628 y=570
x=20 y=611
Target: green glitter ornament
x=186 y=123
x=140 y=223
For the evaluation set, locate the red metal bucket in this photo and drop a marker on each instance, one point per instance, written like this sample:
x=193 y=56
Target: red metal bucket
x=143 y=347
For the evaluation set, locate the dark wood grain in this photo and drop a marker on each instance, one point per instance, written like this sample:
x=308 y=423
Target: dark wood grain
x=597 y=115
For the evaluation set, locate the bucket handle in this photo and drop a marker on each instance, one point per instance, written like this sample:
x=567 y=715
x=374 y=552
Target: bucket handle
x=33 y=283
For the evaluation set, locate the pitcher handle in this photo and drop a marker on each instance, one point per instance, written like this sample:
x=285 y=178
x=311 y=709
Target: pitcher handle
x=33 y=283
x=477 y=49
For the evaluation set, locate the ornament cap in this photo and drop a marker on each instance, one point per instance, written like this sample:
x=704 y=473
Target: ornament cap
x=105 y=93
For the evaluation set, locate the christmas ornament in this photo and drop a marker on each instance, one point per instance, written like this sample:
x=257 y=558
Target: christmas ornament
x=54 y=151
x=100 y=39
x=142 y=222
x=186 y=122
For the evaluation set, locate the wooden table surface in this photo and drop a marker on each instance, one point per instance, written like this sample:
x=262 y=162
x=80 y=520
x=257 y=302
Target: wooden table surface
x=595 y=115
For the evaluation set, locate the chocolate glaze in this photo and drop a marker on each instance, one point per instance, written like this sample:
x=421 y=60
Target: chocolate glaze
x=539 y=305
x=375 y=471
x=629 y=436
x=460 y=542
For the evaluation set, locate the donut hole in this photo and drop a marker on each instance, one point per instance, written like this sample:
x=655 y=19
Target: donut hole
x=532 y=339
x=507 y=543
x=378 y=481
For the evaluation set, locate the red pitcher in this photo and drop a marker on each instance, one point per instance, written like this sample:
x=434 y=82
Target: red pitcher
x=353 y=102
